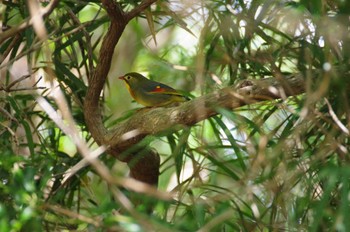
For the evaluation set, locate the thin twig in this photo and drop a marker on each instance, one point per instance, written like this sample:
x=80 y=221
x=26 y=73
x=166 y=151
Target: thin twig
x=27 y=22
x=21 y=89
x=72 y=214
x=13 y=43
x=137 y=10
x=336 y=119
x=9 y=86
x=8 y=115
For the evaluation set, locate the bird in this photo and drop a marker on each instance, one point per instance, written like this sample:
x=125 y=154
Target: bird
x=151 y=93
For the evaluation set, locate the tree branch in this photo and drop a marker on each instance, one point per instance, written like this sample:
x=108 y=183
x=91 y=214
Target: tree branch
x=156 y=121
x=137 y=10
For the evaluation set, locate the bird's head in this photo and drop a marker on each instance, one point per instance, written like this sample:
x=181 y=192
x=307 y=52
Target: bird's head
x=133 y=79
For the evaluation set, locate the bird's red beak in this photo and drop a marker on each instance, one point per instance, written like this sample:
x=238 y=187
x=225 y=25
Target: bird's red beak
x=122 y=78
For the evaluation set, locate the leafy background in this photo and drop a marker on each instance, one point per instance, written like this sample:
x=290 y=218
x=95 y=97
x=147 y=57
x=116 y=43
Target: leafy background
x=271 y=166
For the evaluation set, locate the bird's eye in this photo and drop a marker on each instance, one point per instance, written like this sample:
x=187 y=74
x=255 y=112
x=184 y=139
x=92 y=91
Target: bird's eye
x=128 y=77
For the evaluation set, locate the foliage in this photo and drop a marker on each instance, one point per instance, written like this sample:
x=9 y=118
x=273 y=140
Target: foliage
x=276 y=165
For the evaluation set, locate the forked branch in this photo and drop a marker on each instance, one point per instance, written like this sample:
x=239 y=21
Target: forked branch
x=146 y=172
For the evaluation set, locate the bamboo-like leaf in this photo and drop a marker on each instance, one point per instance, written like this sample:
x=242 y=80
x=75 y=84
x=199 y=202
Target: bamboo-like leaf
x=150 y=22
x=179 y=151
x=231 y=139
x=25 y=124
x=180 y=22
x=331 y=175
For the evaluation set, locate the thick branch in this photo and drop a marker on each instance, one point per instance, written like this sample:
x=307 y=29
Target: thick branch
x=92 y=110
x=158 y=120
x=96 y=82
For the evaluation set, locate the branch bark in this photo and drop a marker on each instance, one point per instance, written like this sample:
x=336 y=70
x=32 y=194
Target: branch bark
x=156 y=121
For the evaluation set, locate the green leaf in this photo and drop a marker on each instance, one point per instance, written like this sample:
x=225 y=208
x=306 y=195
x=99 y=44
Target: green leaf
x=179 y=151
x=236 y=148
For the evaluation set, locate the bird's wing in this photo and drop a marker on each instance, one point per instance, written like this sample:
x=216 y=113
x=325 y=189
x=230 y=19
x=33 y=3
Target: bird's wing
x=163 y=89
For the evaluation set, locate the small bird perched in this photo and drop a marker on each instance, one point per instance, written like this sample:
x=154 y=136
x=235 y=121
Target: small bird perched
x=150 y=93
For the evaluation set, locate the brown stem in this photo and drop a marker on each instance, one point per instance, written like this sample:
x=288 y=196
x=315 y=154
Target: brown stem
x=92 y=111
